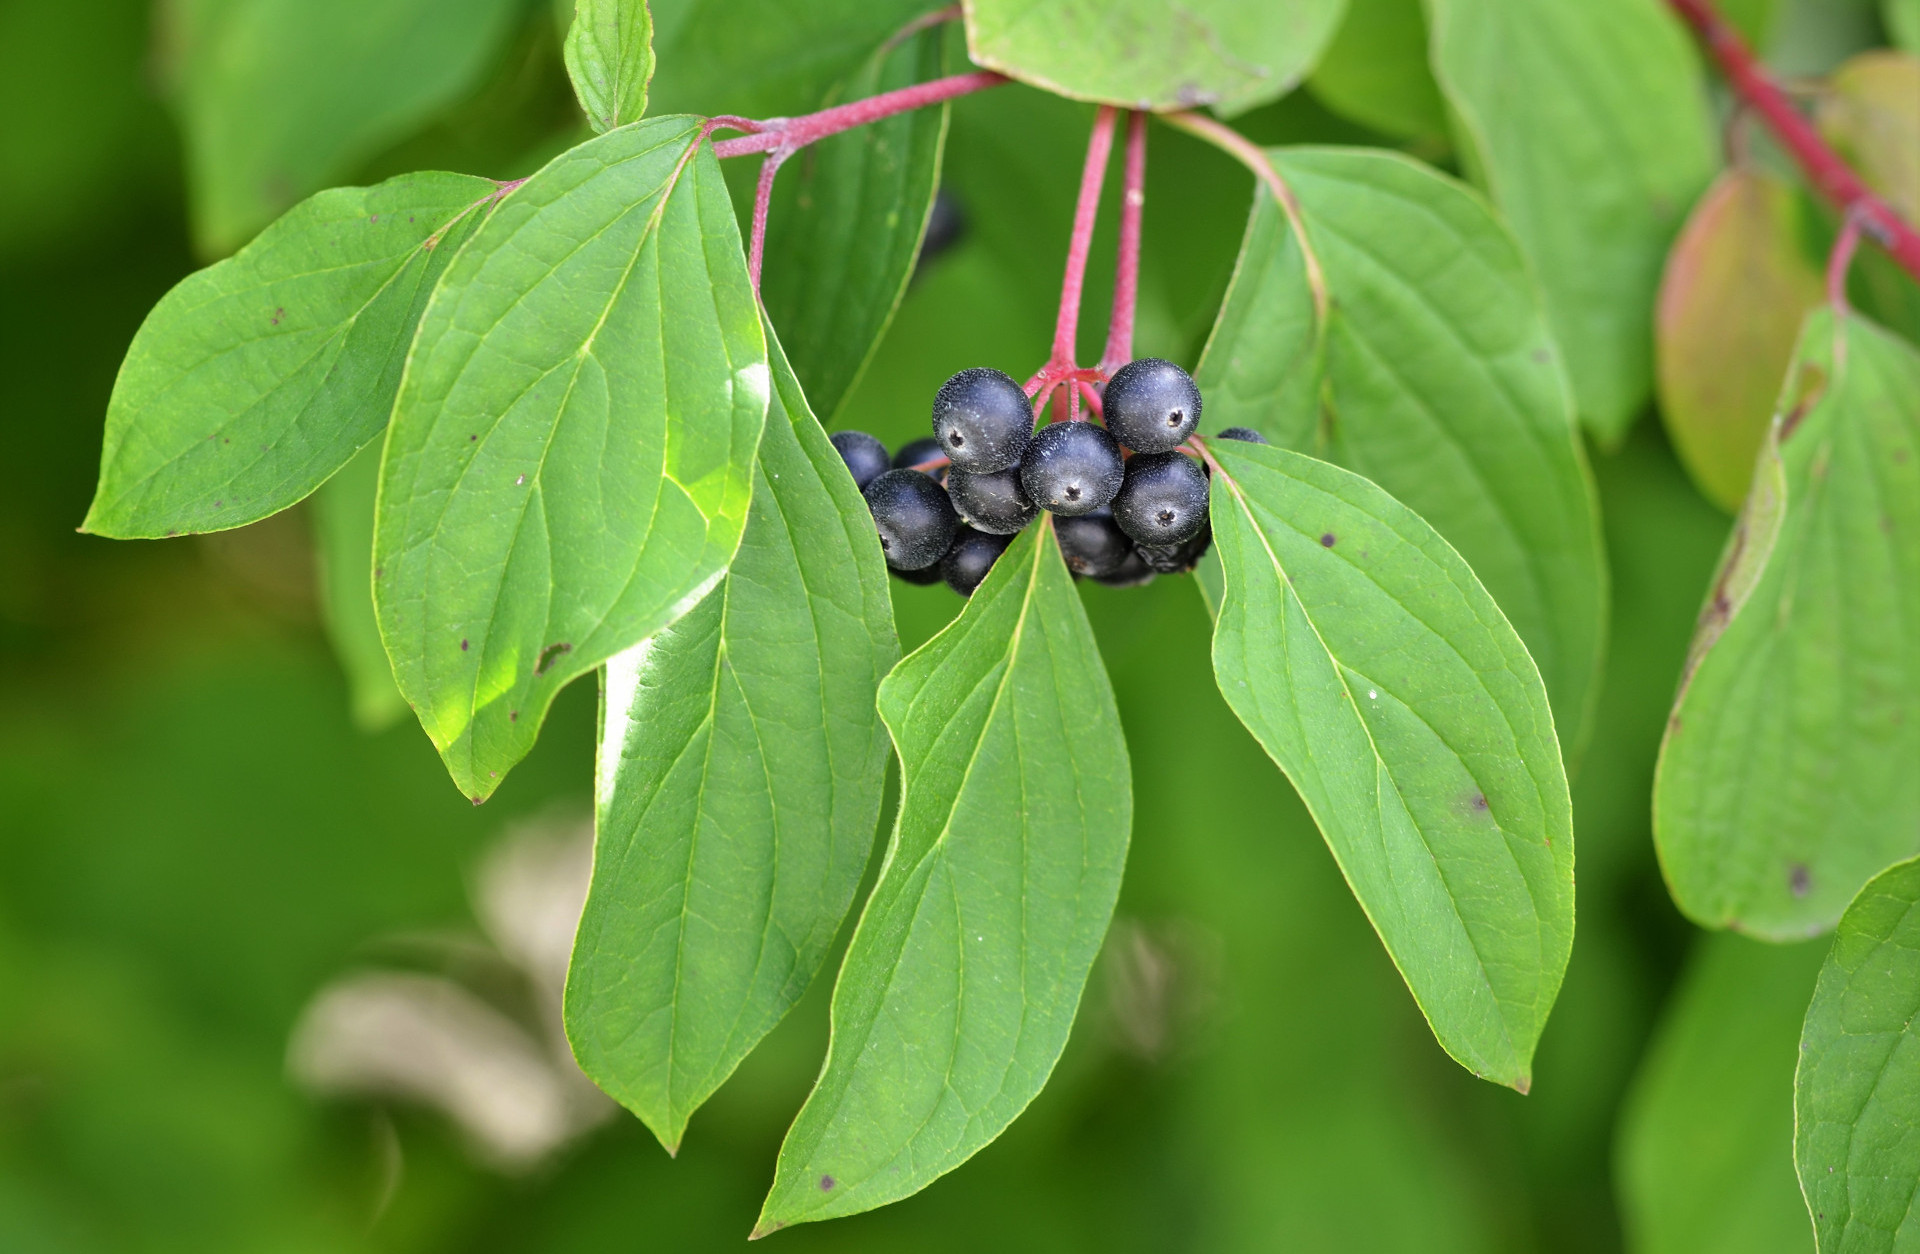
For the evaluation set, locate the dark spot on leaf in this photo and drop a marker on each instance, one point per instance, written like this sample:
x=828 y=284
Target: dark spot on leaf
x=463 y=646
x=1541 y=356
x=373 y=218
x=1480 y=801
x=277 y=315
x=226 y=441
x=219 y=504
x=379 y=571
x=826 y=1184
x=173 y=533
x=547 y=655
x=472 y=438
x=1799 y=879
x=513 y=716
x=1808 y=387
x=1327 y=541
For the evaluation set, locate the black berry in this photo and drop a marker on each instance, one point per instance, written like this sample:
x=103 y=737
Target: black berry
x=994 y=503
x=865 y=456
x=1092 y=544
x=1246 y=434
x=982 y=420
x=971 y=557
x=922 y=577
x=1130 y=573
x=1072 y=468
x=1175 y=559
x=916 y=453
x=914 y=517
x=1164 y=500
x=1151 y=406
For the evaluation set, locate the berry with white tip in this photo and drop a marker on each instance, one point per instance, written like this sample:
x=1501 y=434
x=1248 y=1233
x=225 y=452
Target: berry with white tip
x=1151 y=406
x=1072 y=468
x=982 y=419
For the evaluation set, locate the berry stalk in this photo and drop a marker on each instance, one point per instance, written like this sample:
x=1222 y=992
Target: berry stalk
x=1126 y=271
x=1834 y=178
x=789 y=135
x=1093 y=176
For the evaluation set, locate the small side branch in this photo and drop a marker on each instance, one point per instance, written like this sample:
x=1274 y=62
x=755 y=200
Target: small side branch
x=1834 y=178
x=793 y=134
x=1126 y=270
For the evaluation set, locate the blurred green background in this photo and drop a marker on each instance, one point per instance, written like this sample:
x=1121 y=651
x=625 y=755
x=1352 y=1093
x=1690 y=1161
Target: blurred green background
x=195 y=836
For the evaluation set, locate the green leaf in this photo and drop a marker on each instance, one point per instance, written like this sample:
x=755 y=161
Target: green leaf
x=256 y=378
x=278 y=98
x=1786 y=776
x=968 y=963
x=741 y=765
x=765 y=58
x=1902 y=18
x=609 y=55
x=572 y=448
x=1434 y=375
x=1870 y=112
x=1146 y=54
x=846 y=230
x=1705 y=1148
x=1375 y=71
x=1737 y=287
x=1856 y=1095
x=1376 y=671
x=343 y=536
x=1587 y=121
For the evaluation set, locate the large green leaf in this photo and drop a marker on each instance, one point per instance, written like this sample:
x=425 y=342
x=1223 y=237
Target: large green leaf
x=1375 y=71
x=256 y=378
x=1787 y=776
x=1587 y=121
x=281 y=97
x=1434 y=375
x=571 y=455
x=1738 y=284
x=1903 y=23
x=968 y=963
x=1856 y=1096
x=1147 y=54
x=846 y=229
x=1704 y=1156
x=741 y=765
x=765 y=58
x=343 y=540
x=1870 y=112
x=609 y=55
x=1363 y=655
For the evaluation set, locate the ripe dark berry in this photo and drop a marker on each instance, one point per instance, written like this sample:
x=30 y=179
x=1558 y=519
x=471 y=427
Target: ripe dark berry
x=1246 y=434
x=865 y=456
x=1072 y=468
x=1176 y=559
x=1164 y=500
x=1130 y=573
x=924 y=576
x=982 y=420
x=917 y=453
x=994 y=503
x=1151 y=406
x=1092 y=544
x=971 y=557
x=914 y=517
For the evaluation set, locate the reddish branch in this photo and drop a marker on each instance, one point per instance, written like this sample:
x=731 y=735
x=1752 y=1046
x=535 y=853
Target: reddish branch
x=1824 y=168
x=792 y=134
x=1061 y=367
x=1126 y=270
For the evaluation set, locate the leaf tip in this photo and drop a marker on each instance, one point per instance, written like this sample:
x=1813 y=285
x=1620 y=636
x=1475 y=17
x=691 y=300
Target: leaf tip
x=766 y=1227
x=1522 y=1083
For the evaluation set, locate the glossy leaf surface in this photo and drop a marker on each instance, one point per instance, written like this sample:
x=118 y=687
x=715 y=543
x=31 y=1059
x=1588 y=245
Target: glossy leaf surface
x=1705 y=1148
x=572 y=448
x=1856 y=1098
x=343 y=540
x=1786 y=776
x=1376 y=671
x=846 y=226
x=1145 y=54
x=741 y=765
x=256 y=378
x=281 y=97
x=1586 y=120
x=609 y=55
x=1434 y=376
x=967 y=966
x=1738 y=285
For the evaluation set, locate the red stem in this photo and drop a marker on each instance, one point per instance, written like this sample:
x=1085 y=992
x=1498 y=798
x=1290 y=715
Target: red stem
x=762 y=201
x=1092 y=176
x=790 y=134
x=1838 y=262
x=1126 y=270
x=1824 y=168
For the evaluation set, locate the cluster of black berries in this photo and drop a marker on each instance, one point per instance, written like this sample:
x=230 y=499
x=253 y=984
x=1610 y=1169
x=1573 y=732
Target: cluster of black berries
x=947 y=506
